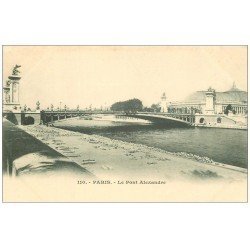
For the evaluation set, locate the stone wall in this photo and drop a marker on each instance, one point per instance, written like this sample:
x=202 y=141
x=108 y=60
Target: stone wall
x=213 y=119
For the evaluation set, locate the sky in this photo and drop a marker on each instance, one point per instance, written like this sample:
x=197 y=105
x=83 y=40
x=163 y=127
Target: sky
x=102 y=75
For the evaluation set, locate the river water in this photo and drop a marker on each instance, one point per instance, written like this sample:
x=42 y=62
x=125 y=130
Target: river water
x=227 y=146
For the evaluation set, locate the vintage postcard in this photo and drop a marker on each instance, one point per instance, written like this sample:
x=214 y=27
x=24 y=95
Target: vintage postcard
x=124 y=124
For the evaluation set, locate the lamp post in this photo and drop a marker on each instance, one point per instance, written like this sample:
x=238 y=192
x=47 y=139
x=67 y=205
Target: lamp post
x=37 y=105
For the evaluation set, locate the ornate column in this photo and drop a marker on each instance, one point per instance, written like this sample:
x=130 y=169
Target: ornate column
x=210 y=101
x=14 y=82
x=11 y=91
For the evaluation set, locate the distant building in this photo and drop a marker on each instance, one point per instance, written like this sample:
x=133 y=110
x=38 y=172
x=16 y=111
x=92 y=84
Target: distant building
x=163 y=103
x=212 y=102
x=214 y=109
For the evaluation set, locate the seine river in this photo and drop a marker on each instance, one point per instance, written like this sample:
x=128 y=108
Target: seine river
x=222 y=145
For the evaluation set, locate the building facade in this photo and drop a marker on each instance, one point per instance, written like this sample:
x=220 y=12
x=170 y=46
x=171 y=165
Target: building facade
x=212 y=102
x=214 y=109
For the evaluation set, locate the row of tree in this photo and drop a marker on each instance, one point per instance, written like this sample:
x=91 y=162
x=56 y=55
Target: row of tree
x=134 y=105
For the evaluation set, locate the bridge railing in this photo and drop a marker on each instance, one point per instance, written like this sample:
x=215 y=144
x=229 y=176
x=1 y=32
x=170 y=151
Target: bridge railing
x=53 y=115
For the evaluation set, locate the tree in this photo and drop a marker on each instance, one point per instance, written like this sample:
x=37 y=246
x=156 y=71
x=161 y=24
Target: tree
x=147 y=109
x=132 y=105
x=156 y=107
x=229 y=108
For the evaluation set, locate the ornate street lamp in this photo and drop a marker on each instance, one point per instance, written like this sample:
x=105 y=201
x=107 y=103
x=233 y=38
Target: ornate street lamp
x=37 y=105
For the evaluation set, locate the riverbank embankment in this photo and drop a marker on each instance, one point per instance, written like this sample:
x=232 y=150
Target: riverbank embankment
x=222 y=126
x=119 y=166
x=24 y=154
x=106 y=157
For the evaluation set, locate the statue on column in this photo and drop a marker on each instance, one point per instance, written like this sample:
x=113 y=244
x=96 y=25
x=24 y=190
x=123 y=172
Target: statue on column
x=15 y=71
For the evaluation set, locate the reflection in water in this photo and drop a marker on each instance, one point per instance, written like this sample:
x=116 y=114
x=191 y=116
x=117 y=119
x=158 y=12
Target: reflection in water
x=222 y=145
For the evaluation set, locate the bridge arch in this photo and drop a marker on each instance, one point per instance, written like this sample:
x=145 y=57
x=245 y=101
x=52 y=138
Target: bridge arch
x=29 y=120
x=202 y=120
x=161 y=119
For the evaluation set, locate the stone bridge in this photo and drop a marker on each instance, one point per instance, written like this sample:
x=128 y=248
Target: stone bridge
x=166 y=119
x=47 y=117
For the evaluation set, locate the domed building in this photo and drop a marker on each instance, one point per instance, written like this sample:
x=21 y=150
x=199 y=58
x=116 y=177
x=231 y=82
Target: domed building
x=214 y=109
x=213 y=102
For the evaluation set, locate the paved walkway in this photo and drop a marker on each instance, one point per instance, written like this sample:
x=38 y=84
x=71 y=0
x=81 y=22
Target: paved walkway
x=36 y=157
